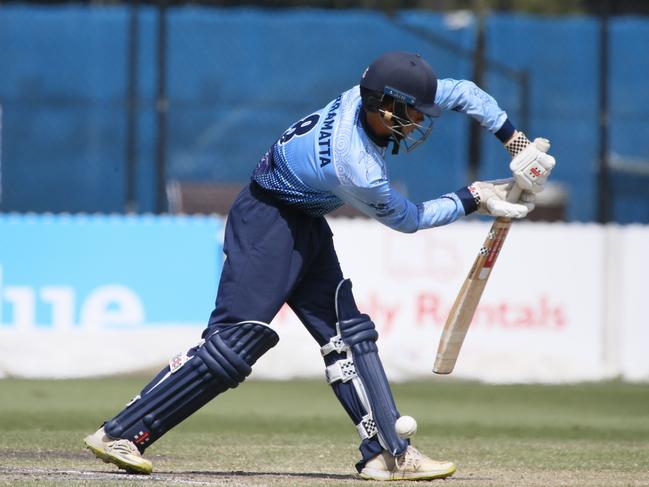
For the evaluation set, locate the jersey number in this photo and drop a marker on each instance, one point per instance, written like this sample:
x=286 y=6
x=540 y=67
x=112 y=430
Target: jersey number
x=299 y=128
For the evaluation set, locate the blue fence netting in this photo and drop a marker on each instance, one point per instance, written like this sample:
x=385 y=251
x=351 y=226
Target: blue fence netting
x=238 y=77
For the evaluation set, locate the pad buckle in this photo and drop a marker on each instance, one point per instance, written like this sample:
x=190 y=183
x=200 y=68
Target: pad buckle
x=335 y=344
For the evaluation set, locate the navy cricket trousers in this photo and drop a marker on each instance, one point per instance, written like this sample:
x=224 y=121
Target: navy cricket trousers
x=277 y=255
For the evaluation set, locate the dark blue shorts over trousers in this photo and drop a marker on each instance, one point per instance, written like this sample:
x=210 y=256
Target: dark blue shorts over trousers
x=277 y=255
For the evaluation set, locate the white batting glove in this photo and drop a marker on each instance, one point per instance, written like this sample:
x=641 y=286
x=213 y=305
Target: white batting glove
x=491 y=198
x=531 y=165
x=528 y=198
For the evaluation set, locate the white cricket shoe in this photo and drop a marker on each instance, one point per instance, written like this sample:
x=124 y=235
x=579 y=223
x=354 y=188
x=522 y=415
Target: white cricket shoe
x=120 y=452
x=410 y=465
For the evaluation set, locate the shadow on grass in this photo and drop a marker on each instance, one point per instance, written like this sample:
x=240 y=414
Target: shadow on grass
x=242 y=473
x=36 y=475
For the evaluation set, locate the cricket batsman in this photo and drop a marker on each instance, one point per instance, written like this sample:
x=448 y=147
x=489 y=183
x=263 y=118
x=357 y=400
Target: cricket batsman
x=279 y=249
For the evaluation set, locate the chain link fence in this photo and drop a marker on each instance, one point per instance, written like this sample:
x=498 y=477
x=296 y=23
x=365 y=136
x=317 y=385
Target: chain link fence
x=97 y=103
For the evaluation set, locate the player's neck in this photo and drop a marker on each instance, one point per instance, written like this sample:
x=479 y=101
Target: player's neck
x=375 y=128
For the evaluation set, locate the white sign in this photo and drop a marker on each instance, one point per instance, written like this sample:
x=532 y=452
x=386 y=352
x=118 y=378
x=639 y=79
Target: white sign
x=564 y=303
x=538 y=319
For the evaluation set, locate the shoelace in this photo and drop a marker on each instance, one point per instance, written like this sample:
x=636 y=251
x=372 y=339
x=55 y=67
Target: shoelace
x=410 y=458
x=124 y=447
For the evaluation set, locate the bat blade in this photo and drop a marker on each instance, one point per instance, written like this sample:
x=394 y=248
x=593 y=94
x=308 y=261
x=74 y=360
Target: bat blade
x=467 y=300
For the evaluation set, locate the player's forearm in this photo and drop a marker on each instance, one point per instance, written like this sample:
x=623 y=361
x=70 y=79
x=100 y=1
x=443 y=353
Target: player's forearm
x=389 y=207
x=382 y=203
x=407 y=217
x=429 y=214
x=466 y=97
x=446 y=209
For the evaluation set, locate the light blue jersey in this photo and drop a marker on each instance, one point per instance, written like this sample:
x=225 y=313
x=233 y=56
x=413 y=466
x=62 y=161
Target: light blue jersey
x=327 y=159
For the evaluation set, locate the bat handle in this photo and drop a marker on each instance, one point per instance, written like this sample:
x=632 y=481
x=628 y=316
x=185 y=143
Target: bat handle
x=514 y=193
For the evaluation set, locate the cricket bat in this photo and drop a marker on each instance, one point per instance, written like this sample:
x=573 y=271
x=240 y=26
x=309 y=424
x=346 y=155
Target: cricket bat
x=468 y=298
x=466 y=302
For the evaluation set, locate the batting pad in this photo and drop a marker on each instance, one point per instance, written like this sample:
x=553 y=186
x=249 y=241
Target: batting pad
x=221 y=362
x=362 y=366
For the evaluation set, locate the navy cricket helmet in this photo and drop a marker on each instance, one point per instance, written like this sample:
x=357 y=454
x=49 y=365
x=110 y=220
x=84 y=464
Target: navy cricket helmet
x=392 y=83
x=406 y=77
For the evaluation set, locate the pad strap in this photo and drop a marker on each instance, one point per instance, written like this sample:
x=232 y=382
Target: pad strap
x=367 y=427
x=343 y=370
x=335 y=344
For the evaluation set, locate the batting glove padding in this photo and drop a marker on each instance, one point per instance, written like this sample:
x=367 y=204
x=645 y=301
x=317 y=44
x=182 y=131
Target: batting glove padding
x=491 y=198
x=531 y=165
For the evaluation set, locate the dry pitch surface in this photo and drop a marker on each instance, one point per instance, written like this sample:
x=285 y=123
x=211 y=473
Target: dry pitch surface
x=282 y=433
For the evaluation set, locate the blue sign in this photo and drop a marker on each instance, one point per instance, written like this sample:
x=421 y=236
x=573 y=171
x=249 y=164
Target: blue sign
x=105 y=271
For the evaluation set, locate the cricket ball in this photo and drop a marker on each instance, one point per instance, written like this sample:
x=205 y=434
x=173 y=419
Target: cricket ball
x=406 y=426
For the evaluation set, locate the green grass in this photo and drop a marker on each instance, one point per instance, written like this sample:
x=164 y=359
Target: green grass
x=295 y=433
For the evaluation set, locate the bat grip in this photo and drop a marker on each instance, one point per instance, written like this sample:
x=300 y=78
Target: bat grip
x=514 y=193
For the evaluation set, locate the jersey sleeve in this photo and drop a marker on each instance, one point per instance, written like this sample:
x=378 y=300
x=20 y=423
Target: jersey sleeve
x=386 y=205
x=466 y=97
